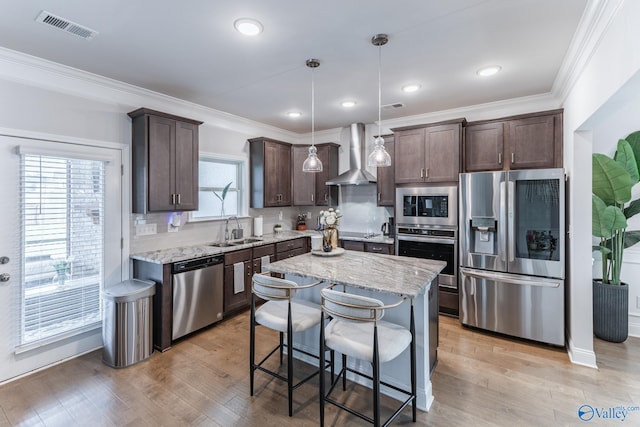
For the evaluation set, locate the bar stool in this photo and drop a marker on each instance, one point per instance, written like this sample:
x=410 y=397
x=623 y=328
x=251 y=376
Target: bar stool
x=282 y=314
x=356 y=330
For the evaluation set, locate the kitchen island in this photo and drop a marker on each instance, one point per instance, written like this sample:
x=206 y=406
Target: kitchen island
x=383 y=277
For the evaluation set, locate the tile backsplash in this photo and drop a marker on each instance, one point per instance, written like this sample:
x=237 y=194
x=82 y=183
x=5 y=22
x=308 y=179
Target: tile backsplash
x=357 y=206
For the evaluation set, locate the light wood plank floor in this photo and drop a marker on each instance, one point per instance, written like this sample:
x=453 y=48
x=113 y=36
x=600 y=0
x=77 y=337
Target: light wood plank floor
x=481 y=380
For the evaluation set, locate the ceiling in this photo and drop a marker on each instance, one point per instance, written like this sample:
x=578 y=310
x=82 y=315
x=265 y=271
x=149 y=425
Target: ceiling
x=190 y=50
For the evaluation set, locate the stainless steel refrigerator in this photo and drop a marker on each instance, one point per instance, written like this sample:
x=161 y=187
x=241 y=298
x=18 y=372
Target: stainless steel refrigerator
x=512 y=252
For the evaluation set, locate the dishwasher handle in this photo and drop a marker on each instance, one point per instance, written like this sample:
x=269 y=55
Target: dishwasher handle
x=195 y=264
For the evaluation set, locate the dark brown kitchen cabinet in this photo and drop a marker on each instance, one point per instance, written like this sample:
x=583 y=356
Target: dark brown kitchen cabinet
x=291 y=248
x=529 y=141
x=270 y=173
x=165 y=162
x=429 y=153
x=484 y=147
x=234 y=301
x=360 y=246
x=386 y=178
x=309 y=188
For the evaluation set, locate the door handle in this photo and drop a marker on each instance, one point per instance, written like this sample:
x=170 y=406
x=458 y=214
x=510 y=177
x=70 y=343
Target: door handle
x=178 y=198
x=513 y=158
x=421 y=172
x=173 y=199
x=312 y=197
x=499 y=158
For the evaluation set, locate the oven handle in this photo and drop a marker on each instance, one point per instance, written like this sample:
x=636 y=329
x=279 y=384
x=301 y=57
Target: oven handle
x=427 y=239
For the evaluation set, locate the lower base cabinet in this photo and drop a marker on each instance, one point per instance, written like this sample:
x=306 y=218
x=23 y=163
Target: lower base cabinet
x=356 y=245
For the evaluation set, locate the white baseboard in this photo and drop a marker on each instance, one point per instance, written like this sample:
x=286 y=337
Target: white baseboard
x=634 y=325
x=581 y=356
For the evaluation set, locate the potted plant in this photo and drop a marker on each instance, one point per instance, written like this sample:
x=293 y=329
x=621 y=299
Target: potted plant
x=613 y=180
x=277 y=229
x=302 y=222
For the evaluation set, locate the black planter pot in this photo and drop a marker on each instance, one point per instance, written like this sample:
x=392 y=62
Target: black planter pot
x=610 y=311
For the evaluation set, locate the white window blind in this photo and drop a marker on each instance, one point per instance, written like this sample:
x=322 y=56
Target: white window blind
x=62 y=211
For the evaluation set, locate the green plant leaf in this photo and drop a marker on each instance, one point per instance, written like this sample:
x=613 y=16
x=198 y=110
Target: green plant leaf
x=631 y=238
x=632 y=209
x=634 y=141
x=611 y=182
x=605 y=220
x=224 y=192
x=627 y=159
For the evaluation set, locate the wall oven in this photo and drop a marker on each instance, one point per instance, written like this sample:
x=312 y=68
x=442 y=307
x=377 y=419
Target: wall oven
x=427 y=227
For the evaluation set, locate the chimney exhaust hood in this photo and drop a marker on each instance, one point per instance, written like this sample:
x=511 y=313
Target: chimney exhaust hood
x=356 y=175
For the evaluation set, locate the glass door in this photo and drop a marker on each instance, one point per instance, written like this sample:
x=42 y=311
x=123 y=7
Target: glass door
x=536 y=222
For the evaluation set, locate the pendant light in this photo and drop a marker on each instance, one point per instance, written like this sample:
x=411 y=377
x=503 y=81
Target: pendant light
x=312 y=163
x=379 y=156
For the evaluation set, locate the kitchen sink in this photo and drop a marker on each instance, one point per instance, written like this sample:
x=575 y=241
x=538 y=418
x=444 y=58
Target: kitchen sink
x=235 y=242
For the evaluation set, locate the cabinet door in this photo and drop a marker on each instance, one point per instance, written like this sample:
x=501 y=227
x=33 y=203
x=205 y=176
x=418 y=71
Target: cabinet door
x=303 y=184
x=271 y=186
x=328 y=154
x=442 y=153
x=352 y=245
x=409 y=156
x=161 y=165
x=186 y=166
x=532 y=143
x=236 y=301
x=385 y=180
x=484 y=147
x=283 y=172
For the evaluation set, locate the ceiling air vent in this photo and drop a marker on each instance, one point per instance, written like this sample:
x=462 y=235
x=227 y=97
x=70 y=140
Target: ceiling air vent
x=66 y=25
x=392 y=106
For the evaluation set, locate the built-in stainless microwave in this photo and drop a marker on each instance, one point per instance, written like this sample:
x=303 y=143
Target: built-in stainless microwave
x=427 y=205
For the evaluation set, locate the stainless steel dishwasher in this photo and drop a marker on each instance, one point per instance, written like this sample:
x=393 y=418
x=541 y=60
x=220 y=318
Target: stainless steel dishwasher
x=198 y=293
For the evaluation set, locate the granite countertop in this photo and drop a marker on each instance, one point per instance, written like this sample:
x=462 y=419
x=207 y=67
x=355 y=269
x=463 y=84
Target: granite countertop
x=383 y=273
x=182 y=253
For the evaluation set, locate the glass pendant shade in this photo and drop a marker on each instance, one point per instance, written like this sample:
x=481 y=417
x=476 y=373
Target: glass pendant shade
x=312 y=163
x=379 y=156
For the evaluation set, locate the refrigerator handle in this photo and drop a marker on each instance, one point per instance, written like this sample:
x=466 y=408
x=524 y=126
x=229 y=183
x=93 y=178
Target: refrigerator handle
x=497 y=277
x=510 y=222
x=502 y=228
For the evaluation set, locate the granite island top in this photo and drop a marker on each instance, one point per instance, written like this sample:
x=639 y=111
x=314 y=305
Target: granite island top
x=182 y=253
x=384 y=273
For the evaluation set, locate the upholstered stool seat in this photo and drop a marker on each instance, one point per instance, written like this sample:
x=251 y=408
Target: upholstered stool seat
x=357 y=330
x=282 y=314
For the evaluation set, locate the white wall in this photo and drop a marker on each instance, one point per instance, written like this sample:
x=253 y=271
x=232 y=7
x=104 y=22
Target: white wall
x=614 y=60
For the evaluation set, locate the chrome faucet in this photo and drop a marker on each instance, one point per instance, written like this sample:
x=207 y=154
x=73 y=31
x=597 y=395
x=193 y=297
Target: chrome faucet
x=236 y=233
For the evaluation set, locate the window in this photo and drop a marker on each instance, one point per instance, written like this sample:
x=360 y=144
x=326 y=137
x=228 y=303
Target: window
x=62 y=211
x=214 y=175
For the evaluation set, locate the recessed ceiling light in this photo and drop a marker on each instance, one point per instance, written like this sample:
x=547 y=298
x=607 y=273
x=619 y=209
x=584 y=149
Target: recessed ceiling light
x=489 y=71
x=294 y=114
x=348 y=104
x=248 y=27
x=410 y=88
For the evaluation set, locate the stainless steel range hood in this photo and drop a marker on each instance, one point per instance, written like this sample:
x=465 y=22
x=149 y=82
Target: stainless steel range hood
x=356 y=175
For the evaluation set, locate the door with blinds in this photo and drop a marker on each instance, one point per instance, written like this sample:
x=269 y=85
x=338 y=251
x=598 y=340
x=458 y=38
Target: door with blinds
x=60 y=244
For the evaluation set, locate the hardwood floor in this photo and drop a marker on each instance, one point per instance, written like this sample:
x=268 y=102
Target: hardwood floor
x=481 y=380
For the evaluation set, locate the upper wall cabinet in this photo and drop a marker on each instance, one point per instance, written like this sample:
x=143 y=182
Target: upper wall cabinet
x=530 y=141
x=270 y=172
x=429 y=153
x=165 y=162
x=309 y=188
x=385 y=176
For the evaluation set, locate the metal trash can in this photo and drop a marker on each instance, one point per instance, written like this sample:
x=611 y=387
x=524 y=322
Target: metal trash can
x=127 y=326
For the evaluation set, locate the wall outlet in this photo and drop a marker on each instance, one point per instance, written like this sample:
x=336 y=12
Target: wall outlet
x=146 y=229
x=172 y=228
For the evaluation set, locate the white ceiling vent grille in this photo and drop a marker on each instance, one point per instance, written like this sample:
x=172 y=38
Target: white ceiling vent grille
x=392 y=106
x=66 y=25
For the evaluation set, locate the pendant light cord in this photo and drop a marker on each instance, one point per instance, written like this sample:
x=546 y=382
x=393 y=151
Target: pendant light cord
x=313 y=106
x=379 y=88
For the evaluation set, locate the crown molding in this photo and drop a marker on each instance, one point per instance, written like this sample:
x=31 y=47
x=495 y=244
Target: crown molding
x=31 y=70
x=486 y=111
x=593 y=24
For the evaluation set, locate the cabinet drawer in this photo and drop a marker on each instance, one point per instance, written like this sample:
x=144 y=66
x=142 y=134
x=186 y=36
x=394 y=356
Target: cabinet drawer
x=353 y=245
x=242 y=255
x=290 y=245
x=379 y=248
x=260 y=251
